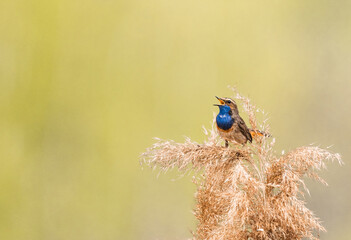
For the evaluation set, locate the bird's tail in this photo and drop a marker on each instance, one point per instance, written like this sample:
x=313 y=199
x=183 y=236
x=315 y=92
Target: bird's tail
x=255 y=133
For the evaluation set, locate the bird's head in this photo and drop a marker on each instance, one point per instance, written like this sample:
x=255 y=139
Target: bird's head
x=227 y=102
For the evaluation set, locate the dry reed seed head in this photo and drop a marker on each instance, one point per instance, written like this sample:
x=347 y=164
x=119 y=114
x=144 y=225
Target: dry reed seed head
x=246 y=192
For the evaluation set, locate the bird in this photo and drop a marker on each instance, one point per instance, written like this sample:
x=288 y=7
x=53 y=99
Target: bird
x=231 y=127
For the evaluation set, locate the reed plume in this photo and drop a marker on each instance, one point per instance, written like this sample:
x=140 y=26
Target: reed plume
x=246 y=192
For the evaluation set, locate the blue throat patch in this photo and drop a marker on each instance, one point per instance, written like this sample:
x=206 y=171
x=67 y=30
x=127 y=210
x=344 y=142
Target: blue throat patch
x=224 y=120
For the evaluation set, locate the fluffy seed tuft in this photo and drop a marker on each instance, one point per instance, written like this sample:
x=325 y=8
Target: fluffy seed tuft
x=246 y=192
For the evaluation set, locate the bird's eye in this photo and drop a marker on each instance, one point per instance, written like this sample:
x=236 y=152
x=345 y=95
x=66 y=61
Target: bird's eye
x=228 y=102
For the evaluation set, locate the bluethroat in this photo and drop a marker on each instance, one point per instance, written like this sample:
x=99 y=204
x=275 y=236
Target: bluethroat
x=231 y=127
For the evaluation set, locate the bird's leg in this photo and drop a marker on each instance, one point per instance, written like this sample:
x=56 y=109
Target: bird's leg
x=226 y=143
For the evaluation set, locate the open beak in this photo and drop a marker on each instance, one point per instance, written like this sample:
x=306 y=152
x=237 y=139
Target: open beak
x=221 y=101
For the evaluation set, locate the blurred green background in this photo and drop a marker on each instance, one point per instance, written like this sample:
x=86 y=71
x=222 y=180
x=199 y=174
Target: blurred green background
x=86 y=85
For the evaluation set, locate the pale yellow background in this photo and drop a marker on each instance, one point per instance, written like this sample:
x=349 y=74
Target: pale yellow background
x=85 y=85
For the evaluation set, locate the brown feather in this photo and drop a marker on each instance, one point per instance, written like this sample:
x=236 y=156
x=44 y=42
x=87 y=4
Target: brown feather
x=243 y=128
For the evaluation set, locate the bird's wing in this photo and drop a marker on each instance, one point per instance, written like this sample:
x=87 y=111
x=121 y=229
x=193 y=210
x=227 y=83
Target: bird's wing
x=244 y=129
